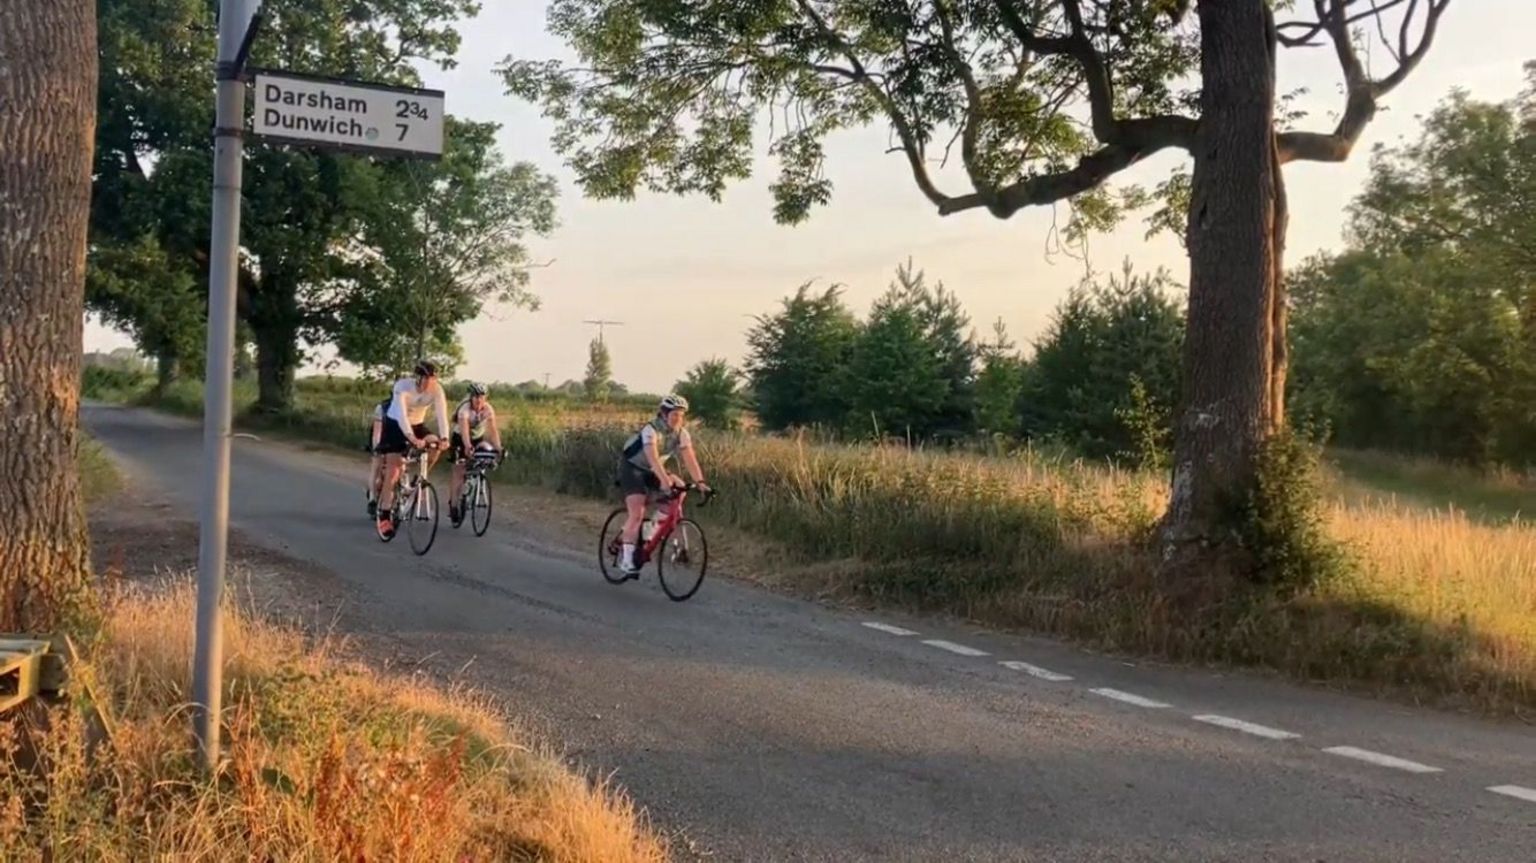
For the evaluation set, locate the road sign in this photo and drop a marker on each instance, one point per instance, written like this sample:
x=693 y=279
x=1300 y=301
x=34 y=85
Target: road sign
x=348 y=115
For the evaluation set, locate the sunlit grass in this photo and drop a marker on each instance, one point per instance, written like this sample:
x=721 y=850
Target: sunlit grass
x=326 y=760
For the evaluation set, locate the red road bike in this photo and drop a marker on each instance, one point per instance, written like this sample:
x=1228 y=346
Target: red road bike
x=676 y=544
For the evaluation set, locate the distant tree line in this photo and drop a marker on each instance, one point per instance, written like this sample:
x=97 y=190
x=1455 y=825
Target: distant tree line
x=913 y=368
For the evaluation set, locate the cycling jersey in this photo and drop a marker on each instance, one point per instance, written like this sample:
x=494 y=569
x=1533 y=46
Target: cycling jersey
x=478 y=420
x=668 y=443
x=408 y=407
x=381 y=410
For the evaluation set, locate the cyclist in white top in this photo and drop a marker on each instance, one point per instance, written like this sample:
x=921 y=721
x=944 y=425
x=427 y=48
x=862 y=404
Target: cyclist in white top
x=474 y=427
x=405 y=428
x=643 y=468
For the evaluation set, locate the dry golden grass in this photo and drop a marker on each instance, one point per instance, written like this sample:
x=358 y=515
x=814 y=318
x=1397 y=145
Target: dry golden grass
x=325 y=761
x=1468 y=584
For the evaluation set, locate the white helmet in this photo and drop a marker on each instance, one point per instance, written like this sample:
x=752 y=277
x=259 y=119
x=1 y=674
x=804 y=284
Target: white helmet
x=673 y=402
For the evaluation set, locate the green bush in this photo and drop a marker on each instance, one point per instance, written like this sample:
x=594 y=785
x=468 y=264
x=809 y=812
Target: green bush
x=1283 y=524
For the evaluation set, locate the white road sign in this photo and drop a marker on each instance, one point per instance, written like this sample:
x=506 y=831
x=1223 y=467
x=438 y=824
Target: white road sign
x=352 y=115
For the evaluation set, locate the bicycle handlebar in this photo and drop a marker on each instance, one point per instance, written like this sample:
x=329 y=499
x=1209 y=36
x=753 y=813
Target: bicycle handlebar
x=692 y=487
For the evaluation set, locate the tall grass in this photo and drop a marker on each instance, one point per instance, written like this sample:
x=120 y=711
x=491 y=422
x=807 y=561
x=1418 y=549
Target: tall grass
x=1493 y=495
x=325 y=761
x=1438 y=604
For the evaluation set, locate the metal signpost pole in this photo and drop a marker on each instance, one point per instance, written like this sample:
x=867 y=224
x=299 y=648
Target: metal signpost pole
x=207 y=668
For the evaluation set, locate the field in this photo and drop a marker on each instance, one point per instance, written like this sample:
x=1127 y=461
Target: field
x=1441 y=605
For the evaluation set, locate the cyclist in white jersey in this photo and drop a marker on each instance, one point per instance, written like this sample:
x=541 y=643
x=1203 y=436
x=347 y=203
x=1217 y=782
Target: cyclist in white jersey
x=405 y=427
x=474 y=427
x=643 y=468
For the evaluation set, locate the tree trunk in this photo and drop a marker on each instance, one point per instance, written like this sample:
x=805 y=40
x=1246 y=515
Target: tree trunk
x=244 y=363
x=1234 y=341
x=47 y=126
x=277 y=358
x=1280 y=310
x=167 y=370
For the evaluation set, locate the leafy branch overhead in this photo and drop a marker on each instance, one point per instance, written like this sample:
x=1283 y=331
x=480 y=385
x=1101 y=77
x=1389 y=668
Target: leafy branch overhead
x=1039 y=100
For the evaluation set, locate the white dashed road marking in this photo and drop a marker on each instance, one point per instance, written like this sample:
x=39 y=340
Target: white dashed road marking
x=1381 y=760
x=1246 y=727
x=1128 y=698
x=1036 y=671
x=955 y=648
x=1515 y=791
x=888 y=629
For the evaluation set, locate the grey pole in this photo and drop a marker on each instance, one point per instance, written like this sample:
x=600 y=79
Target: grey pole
x=207 y=665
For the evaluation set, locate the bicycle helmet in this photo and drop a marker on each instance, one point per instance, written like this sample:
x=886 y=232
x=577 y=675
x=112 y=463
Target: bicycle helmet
x=673 y=402
x=476 y=389
x=426 y=369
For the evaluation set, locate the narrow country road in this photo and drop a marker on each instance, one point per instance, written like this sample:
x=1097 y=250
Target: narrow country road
x=767 y=729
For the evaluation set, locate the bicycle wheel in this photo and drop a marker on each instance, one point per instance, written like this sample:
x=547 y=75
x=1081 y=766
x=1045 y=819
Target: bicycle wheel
x=421 y=518
x=609 y=547
x=682 y=560
x=480 y=503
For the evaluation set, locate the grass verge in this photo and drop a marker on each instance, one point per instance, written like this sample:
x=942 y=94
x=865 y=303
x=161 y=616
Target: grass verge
x=325 y=761
x=1441 y=607
x=99 y=477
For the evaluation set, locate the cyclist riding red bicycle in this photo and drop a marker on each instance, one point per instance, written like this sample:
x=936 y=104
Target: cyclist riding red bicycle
x=643 y=468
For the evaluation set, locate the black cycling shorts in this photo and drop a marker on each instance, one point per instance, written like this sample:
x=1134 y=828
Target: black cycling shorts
x=636 y=480
x=456 y=445
x=392 y=440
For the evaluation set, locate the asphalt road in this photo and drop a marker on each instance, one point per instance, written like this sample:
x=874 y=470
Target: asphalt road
x=766 y=728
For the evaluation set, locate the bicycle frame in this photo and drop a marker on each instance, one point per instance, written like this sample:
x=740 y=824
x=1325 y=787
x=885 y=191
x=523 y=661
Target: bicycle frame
x=664 y=529
x=409 y=478
x=474 y=481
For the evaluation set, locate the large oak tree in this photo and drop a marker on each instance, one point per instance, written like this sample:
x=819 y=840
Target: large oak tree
x=1046 y=100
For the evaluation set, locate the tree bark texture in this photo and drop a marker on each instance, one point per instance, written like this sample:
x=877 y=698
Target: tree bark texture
x=1234 y=344
x=47 y=127
x=274 y=318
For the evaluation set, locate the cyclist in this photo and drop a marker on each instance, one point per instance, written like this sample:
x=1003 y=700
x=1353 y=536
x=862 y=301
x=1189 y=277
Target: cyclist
x=404 y=427
x=474 y=427
x=643 y=468
x=375 y=458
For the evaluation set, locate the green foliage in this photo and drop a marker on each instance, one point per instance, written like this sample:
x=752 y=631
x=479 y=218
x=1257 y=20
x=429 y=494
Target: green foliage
x=1432 y=341
x=1146 y=423
x=446 y=238
x=945 y=334
x=664 y=95
x=304 y=210
x=598 y=382
x=999 y=383
x=799 y=358
x=895 y=384
x=712 y=389
x=137 y=287
x=1282 y=522
x=1107 y=341
x=1430 y=318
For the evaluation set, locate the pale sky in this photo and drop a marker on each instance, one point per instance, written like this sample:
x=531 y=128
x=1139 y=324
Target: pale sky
x=684 y=274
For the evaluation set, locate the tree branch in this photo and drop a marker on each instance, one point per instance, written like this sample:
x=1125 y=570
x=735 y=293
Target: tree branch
x=1311 y=29
x=972 y=125
x=910 y=143
x=1091 y=172
x=1361 y=92
x=1107 y=129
